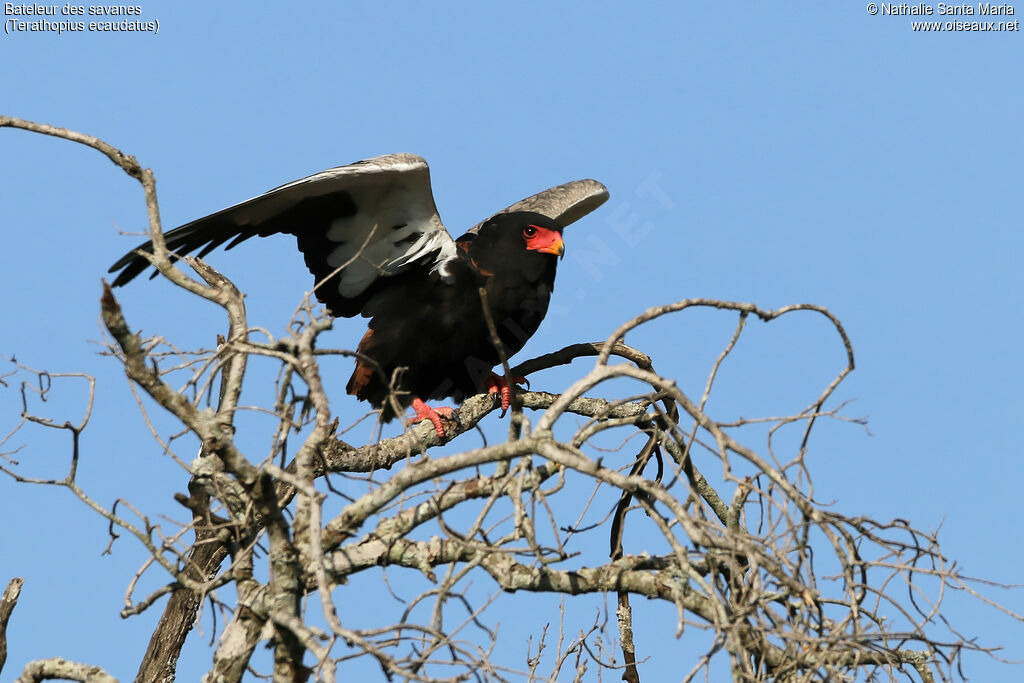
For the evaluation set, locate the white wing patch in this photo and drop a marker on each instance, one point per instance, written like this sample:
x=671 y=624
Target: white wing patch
x=404 y=231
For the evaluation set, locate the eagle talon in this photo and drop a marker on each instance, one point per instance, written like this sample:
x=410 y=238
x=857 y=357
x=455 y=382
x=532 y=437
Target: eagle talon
x=425 y=412
x=496 y=384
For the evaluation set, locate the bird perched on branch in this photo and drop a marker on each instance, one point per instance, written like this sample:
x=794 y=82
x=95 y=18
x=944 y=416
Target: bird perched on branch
x=372 y=238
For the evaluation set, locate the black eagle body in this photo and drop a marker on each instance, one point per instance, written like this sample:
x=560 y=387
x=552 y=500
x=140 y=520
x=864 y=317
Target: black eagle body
x=372 y=239
x=434 y=326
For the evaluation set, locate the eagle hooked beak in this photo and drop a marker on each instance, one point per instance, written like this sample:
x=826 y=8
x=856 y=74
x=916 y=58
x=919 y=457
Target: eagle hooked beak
x=555 y=246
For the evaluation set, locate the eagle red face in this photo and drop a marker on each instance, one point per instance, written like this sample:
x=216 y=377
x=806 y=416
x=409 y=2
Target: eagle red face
x=544 y=240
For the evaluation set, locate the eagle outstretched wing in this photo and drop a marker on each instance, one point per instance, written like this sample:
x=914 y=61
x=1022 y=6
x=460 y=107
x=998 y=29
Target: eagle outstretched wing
x=355 y=224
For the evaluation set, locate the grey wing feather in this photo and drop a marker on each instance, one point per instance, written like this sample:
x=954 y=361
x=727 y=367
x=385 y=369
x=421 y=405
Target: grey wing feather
x=565 y=203
x=408 y=172
x=376 y=215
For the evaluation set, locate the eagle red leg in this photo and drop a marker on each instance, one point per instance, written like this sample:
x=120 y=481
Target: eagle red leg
x=496 y=384
x=425 y=412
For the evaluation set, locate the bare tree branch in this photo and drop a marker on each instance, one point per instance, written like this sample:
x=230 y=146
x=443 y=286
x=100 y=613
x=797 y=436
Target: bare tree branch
x=691 y=511
x=47 y=669
x=7 y=603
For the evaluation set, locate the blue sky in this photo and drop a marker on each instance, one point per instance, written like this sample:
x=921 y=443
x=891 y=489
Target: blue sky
x=800 y=153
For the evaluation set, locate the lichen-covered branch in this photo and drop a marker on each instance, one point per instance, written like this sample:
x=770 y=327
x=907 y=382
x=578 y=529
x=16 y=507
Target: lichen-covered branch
x=58 y=668
x=7 y=603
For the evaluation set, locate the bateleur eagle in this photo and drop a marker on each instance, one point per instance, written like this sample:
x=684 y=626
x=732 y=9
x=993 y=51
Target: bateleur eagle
x=373 y=240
